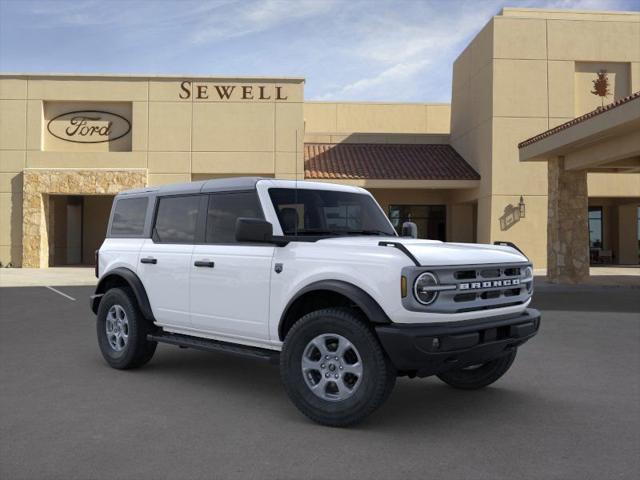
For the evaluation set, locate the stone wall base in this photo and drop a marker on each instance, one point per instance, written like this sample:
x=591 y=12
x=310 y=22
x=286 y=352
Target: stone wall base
x=38 y=184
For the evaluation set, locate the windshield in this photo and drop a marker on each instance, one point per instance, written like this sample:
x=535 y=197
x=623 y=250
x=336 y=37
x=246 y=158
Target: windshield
x=327 y=212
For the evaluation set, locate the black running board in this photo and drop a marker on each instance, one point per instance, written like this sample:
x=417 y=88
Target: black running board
x=209 y=345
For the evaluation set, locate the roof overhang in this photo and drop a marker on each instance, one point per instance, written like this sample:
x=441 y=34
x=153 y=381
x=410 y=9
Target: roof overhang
x=389 y=165
x=606 y=140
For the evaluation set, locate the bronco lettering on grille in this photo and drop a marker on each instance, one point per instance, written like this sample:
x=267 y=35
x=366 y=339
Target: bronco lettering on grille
x=489 y=284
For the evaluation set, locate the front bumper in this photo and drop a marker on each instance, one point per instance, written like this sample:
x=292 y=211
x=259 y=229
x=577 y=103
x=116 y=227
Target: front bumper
x=424 y=350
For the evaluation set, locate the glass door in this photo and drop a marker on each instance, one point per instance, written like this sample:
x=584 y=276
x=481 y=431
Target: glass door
x=430 y=220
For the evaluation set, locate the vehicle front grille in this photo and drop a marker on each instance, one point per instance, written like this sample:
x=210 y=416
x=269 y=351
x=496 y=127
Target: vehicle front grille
x=469 y=288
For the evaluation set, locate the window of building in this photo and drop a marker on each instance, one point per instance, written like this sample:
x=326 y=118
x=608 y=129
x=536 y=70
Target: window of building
x=177 y=219
x=430 y=220
x=595 y=227
x=128 y=217
x=224 y=209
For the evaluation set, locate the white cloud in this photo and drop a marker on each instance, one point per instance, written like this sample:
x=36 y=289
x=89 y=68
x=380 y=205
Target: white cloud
x=244 y=18
x=389 y=77
x=397 y=47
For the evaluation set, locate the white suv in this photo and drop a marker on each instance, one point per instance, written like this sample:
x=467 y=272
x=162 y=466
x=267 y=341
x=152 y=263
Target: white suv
x=312 y=276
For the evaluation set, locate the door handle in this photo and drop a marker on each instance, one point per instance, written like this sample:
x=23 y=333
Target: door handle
x=204 y=263
x=149 y=260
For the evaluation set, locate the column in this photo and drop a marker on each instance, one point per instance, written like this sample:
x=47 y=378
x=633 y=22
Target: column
x=568 y=228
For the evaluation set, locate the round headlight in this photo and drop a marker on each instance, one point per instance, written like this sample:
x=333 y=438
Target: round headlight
x=421 y=288
x=528 y=272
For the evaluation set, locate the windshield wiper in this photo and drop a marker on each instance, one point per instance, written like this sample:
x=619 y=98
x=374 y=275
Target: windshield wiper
x=319 y=232
x=313 y=232
x=369 y=232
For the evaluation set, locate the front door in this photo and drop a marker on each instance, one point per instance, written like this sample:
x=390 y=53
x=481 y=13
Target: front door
x=229 y=281
x=165 y=259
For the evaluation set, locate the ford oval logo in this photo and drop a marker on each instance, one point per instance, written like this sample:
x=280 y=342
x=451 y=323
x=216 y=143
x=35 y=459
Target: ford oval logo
x=89 y=126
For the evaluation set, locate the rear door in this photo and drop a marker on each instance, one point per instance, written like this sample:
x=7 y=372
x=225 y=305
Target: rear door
x=230 y=280
x=165 y=259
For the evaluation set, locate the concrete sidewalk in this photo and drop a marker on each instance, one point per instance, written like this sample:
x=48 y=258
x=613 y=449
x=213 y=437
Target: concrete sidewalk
x=41 y=277
x=605 y=276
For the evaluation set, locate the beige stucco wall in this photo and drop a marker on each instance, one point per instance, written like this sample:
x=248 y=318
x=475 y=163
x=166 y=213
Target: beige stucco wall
x=628 y=233
x=366 y=117
x=525 y=72
x=171 y=138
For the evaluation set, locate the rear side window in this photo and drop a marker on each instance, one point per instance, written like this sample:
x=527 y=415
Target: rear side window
x=128 y=217
x=176 y=219
x=224 y=210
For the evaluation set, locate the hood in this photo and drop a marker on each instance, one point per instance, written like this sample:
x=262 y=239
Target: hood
x=436 y=253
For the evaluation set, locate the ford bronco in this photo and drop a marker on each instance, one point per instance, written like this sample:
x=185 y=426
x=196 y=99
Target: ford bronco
x=310 y=276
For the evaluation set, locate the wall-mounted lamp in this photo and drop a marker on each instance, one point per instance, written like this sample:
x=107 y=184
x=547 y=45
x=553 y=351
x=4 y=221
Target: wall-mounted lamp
x=522 y=207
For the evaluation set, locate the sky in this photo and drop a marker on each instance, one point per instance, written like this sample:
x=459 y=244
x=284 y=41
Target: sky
x=377 y=50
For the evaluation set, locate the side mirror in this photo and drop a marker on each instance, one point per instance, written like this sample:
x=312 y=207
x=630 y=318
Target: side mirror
x=409 y=229
x=253 y=230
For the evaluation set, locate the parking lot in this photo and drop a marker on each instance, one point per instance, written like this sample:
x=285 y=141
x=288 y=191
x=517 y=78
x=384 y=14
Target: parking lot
x=569 y=408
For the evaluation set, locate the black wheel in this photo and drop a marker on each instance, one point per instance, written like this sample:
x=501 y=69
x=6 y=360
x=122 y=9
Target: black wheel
x=334 y=369
x=122 y=331
x=479 y=376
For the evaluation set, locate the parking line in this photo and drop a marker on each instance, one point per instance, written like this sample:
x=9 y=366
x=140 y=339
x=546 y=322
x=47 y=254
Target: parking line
x=60 y=293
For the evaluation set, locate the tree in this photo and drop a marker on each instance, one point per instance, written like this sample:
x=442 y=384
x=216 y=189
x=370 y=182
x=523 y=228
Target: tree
x=601 y=86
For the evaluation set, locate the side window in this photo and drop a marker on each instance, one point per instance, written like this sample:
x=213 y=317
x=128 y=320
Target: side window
x=176 y=219
x=128 y=217
x=224 y=210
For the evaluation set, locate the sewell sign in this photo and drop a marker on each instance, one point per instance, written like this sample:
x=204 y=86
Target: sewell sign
x=89 y=126
x=217 y=92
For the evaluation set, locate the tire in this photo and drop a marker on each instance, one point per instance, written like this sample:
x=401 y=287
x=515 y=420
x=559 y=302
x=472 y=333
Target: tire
x=365 y=374
x=476 y=377
x=124 y=346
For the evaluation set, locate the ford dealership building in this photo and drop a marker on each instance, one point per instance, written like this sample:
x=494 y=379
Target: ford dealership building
x=523 y=153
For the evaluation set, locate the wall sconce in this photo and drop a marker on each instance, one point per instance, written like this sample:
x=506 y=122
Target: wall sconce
x=522 y=207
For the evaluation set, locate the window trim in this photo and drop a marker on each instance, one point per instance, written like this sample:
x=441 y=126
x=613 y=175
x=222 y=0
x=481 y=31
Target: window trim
x=117 y=200
x=596 y=208
x=198 y=234
x=209 y=196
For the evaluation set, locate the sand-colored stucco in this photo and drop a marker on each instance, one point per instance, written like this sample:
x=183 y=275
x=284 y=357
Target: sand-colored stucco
x=529 y=70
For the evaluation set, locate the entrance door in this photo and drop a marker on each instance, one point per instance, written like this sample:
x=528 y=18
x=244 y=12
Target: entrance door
x=430 y=220
x=74 y=231
x=230 y=280
x=79 y=224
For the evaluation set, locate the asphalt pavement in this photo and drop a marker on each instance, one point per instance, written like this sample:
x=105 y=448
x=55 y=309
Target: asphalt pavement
x=569 y=408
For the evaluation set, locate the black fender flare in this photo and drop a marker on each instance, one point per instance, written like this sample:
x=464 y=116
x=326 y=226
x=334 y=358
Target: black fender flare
x=358 y=296
x=133 y=281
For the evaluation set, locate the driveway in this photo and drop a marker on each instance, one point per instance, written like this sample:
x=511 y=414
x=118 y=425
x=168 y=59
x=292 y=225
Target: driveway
x=569 y=408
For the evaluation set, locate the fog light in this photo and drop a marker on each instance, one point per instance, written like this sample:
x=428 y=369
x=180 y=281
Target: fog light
x=435 y=343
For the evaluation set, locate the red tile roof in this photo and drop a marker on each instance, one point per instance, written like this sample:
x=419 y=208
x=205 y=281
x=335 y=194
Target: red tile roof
x=580 y=119
x=385 y=161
